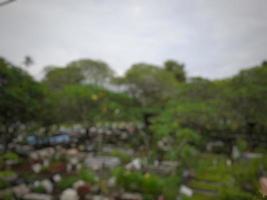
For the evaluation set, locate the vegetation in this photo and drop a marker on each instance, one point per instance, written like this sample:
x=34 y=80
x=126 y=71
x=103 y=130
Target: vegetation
x=180 y=115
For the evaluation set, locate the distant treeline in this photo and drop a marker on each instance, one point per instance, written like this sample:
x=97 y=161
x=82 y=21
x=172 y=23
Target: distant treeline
x=88 y=91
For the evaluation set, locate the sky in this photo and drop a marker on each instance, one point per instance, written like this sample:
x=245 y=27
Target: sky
x=213 y=38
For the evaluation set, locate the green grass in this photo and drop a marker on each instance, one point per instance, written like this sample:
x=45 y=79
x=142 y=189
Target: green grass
x=203 y=185
x=150 y=185
x=234 y=178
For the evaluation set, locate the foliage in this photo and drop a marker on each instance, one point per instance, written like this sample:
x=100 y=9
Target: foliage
x=20 y=98
x=87 y=175
x=39 y=189
x=84 y=71
x=177 y=69
x=67 y=182
x=124 y=157
x=5 y=174
x=148 y=184
x=149 y=83
x=11 y=156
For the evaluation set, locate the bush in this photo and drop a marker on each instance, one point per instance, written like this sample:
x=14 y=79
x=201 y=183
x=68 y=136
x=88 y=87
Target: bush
x=124 y=157
x=6 y=174
x=39 y=189
x=11 y=156
x=87 y=175
x=67 y=182
x=152 y=184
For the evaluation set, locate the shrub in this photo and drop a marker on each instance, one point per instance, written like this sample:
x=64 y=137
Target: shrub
x=11 y=156
x=151 y=184
x=87 y=175
x=67 y=182
x=6 y=174
x=39 y=189
x=124 y=157
x=148 y=184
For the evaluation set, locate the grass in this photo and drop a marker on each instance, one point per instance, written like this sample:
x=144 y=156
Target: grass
x=150 y=185
x=203 y=185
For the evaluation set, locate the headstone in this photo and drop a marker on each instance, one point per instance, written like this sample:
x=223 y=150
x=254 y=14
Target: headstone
x=235 y=153
x=56 y=178
x=78 y=184
x=37 y=196
x=97 y=163
x=131 y=196
x=34 y=155
x=250 y=155
x=72 y=152
x=135 y=164
x=98 y=197
x=20 y=190
x=69 y=167
x=47 y=185
x=36 y=184
x=69 y=194
x=112 y=182
x=186 y=191
x=228 y=162
x=74 y=160
x=37 y=168
x=46 y=163
x=211 y=145
x=78 y=167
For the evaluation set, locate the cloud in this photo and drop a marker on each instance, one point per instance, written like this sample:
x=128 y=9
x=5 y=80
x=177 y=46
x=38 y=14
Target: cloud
x=214 y=38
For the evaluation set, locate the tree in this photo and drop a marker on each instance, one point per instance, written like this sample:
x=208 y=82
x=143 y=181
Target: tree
x=19 y=98
x=83 y=71
x=149 y=83
x=93 y=71
x=177 y=69
x=28 y=61
x=89 y=104
x=58 y=77
x=248 y=99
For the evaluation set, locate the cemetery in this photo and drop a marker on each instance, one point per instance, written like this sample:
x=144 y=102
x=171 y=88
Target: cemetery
x=66 y=170
x=166 y=137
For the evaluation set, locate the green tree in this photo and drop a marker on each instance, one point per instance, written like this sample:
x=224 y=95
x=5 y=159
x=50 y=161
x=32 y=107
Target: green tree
x=20 y=98
x=150 y=84
x=58 y=77
x=93 y=71
x=248 y=99
x=177 y=69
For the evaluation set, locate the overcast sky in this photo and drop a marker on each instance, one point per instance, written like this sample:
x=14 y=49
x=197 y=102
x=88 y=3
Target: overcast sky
x=214 y=38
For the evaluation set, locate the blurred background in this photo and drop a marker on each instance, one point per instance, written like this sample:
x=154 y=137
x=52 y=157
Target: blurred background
x=133 y=100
